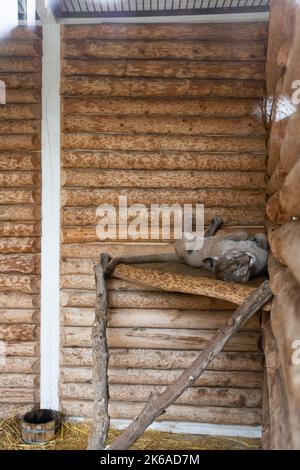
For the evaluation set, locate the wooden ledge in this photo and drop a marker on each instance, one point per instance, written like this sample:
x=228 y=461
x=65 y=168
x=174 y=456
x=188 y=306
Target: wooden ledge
x=178 y=277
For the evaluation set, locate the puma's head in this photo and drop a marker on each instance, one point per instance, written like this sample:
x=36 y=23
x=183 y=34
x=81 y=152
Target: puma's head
x=231 y=267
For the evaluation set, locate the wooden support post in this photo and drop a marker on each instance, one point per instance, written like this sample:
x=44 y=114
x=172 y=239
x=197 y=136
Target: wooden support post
x=101 y=419
x=157 y=404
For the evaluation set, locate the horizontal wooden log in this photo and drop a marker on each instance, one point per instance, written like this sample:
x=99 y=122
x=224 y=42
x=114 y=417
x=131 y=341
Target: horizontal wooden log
x=19 y=142
x=22 y=179
x=20 y=48
x=16 y=316
x=23 y=81
x=209 y=197
x=18 y=300
x=19 y=161
x=241 y=126
x=25 y=33
x=89 y=141
x=19 y=283
x=289 y=194
x=20 y=95
x=284 y=243
x=26 y=264
x=231 y=216
x=179 y=413
x=8 y=395
x=220 y=31
x=17 y=196
x=197 y=396
x=19 y=380
x=208 y=50
x=151 y=318
x=210 y=378
x=163 y=359
x=164 y=338
x=14 y=229
x=135 y=87
x=10 y=410
x=122 y=160
x=18 y=332
x=21 y=350
x=19 y=245
x=164 y=68
x=20 y=64
x=161 y=106
x=19 y=127
x=20 y=111
x=183 y=281
x=76 y=298
x=21 y=365
x=160 y=179
x=19 y=212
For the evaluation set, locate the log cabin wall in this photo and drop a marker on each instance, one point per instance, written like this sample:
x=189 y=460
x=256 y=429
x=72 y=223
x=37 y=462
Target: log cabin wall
x=162 y=114
x=281 y=329
x=20 y=122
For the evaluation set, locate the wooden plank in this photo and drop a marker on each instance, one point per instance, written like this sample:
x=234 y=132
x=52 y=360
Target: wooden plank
x=14 y=48
x=25 y=365
x=15 y=95
x=26 y=264
x=164 y=338
x=163 y=359
x=22 y=332
x=164 y=68
x=231 y=216
x=80 y=298
x=162 y=179
x=90 y=141
x=23 y=81
x=13 y=229
x=185 y=413
x=21 y=212
x=19 y=283
x=16 y=316
x=8 y=395
x=241 y=126
x=197 y=396
x=206 y=50
x=155 y=318
x=19 y=142
x=20 y=111
x=18 y=179
x=19 y=127
x=18 y=300
x=19 y=245
x=135 y=87
x=19 y=380
x=220 y=31
x=122 y=160
x=210 y=378
x=17 y=196
x=20 y=65
x=131 y=105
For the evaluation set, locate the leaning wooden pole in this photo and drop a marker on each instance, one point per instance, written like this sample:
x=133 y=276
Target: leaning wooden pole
x=157 y=404
x=101 y=419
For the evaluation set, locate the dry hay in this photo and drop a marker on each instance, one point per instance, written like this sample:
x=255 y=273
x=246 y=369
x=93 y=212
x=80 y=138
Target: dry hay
x=73 y=436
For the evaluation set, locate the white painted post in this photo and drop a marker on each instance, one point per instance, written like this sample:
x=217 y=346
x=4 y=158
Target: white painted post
x=50 y=333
